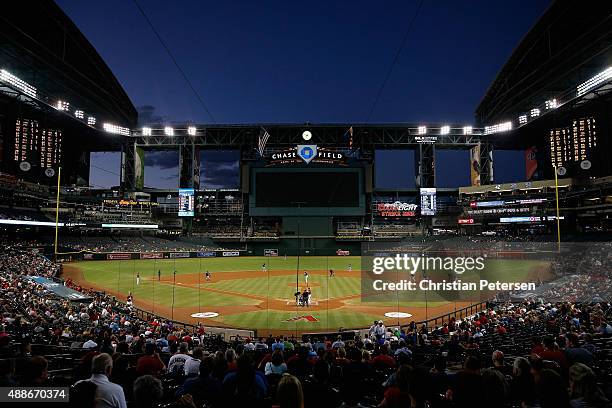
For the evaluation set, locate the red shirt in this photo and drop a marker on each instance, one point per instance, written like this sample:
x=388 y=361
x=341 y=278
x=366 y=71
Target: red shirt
x=150 y=365
x=384 y=359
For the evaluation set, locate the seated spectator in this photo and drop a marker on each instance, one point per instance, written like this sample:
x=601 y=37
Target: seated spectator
x=244 y=387
x=277 y=364
x=552 y=353
x=498 y=363
x=148 y=391
x=108 y=395
x=36 y=373
x=398 y=395
x=575 y=353
x=383 y=359
x=495 y=388
x=205 y=389
x=551 y=390
x=150 y=363
x=289 y=393
x=177 y=361
x=522 y=385
x=584 y=392
x=468 y=385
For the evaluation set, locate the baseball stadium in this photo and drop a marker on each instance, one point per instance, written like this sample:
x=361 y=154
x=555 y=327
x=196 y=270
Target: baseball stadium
x=306 y=281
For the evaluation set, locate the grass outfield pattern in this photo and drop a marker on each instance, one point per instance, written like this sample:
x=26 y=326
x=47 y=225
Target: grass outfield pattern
x=247 y=297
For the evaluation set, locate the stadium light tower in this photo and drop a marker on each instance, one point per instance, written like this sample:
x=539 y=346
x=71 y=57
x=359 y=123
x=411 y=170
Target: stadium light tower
x=169 y=131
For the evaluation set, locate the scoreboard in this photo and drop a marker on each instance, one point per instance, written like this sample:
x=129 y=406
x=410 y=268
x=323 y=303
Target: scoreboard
x=573 y=144
x=36 y=147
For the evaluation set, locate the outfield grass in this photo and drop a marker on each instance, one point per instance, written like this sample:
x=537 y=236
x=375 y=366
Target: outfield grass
x=244 y=301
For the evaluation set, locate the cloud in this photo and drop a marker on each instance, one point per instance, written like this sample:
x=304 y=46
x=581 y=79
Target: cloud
x=164 y=159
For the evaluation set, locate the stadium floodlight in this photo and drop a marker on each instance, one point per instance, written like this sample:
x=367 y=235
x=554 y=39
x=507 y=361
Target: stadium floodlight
x=17 y=83
x=91 y=120
x=30 y=223
x=421 y=130
x=62 y=105
x=191 y=130
x=467 y=130
x=535 y=112
x=147 y=131
x=500 y=127
x=79 y=114
x=591 y=83
x=522 y=119
x=445 y=130
x=169 y=131
x=551 y=104
x=118 y=130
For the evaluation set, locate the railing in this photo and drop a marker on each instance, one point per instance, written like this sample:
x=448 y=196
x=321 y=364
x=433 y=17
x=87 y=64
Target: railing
x=457 y=314
x=230 y=332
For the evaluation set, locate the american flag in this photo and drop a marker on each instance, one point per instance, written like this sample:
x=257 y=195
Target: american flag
x=263 y=139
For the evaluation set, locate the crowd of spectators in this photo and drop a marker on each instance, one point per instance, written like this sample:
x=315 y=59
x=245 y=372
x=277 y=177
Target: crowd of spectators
x=133 y=244
x=531 y=354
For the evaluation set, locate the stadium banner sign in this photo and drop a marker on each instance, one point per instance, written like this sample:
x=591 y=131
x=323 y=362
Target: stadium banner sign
x=271 y=252
x=179 y=255
x=118 y=256
x=489 y=211
x=465 y=221
x=307 y=154
x=88 y=256
x=395 y=209
x=206 y=254
x=152 y=255
x=343 y=252
x=531 y=163
x=230 y=253
x=475 y=165
x=512 y=220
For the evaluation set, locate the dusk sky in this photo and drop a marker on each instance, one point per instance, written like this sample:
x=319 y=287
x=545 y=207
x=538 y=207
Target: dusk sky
x=316 y=61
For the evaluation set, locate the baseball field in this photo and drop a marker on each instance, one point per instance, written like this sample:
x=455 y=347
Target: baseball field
x=241 y=293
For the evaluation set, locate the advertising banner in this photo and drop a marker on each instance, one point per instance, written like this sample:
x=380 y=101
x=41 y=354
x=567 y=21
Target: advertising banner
x=152 y=255
x=179 y=255
x=231 y=253
x=139 y=167
x=475 y=165
x=531 y=163
x=206 y=254
x=117 y=256
x=342 y=252
x=396 y=209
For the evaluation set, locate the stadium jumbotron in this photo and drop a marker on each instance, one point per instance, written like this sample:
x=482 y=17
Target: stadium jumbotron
x=153 y=261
